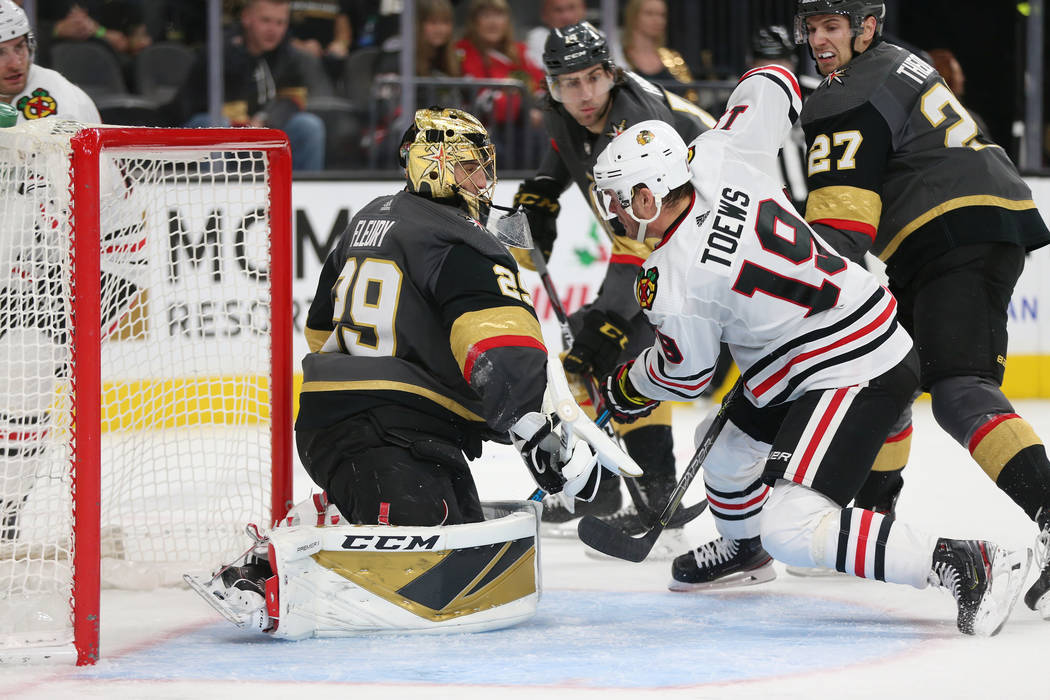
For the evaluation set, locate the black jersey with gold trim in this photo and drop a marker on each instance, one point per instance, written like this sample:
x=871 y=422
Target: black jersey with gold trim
x=418 y=305
x=897 y=164
x=574 y=150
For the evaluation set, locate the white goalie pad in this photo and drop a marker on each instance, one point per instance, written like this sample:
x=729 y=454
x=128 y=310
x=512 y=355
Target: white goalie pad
x=336 y=581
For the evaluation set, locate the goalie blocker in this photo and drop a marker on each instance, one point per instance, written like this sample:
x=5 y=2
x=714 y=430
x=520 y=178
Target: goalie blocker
x=324 y=580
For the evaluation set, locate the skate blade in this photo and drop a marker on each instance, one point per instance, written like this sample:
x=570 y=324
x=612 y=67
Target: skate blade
x=741 y=579
x=201 y=588
x=813 y=572
x=1009 y=571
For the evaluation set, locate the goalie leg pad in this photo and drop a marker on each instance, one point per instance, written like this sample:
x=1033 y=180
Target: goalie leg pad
x=341 y=581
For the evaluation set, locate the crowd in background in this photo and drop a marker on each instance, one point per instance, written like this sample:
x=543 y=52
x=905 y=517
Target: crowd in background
x=328 y=71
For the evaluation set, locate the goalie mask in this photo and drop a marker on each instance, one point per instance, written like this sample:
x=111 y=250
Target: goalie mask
x=14 y=23
x=650 y=153
x=856 y=10
x=447 y=155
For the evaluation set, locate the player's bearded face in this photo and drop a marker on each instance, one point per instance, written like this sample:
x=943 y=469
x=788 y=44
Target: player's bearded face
x=830 y=40
x=14 y=66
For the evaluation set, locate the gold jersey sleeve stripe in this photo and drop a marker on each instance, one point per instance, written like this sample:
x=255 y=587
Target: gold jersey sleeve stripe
x=844 y=203
x=476 y=327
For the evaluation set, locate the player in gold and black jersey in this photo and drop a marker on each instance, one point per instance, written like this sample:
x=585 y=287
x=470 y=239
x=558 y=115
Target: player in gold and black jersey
x=591 y=101
x=897 y=166
x=424 y=344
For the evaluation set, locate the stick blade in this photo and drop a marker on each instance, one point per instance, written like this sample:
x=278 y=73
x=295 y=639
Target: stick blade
x=609 y=539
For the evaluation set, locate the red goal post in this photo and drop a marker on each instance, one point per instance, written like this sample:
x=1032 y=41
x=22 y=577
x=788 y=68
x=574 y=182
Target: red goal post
x=158 y=338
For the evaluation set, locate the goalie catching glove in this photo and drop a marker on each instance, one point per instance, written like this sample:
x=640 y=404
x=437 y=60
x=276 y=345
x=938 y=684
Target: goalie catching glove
x=621 y=398
x=558 y=462
x=538 y=198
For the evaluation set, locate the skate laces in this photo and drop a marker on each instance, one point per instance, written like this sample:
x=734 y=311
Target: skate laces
x=715 y=552
x=947 y=576
x=1042 y=548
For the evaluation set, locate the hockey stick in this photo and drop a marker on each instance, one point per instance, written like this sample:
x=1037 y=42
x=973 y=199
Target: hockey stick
x=610 y=540
x=646 y=514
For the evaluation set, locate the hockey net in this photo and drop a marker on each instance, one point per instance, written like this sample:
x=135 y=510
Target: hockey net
x=145 y=372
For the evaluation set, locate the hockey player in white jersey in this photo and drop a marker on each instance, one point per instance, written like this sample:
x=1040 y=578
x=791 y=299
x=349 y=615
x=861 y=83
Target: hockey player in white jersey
x=825 y=366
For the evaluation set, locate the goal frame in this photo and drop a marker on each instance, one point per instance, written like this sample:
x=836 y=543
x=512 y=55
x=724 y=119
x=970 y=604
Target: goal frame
x=88 y=145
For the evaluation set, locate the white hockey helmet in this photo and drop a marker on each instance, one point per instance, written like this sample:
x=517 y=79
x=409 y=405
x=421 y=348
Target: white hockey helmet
x=14 y=23
x=650 y=153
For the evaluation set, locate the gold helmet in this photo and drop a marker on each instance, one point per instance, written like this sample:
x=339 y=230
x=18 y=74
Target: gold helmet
x=447 y=154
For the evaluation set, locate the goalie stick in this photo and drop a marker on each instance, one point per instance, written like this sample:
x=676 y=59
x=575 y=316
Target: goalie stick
x=608 y=539
x=646 y=514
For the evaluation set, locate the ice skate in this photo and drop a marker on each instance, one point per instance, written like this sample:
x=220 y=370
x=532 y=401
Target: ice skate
x=722 y=563
x=985 y=580
x=1038 y=596
x=237 y=591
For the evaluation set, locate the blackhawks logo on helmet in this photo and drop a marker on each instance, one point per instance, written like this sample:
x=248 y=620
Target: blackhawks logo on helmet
x=644 y=136
x=646 y=289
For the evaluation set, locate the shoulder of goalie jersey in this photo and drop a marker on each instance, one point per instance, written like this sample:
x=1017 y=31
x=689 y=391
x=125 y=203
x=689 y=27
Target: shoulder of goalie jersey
x=434 y=224
x=351 y=579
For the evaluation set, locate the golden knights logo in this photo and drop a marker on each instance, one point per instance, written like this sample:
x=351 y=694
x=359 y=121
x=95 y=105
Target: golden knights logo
x=691 y=153
x=37 y=105
x=645 y=291
x=617 y=128
x=835 y=76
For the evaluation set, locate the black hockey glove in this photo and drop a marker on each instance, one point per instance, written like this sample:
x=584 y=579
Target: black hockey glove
x=621 y=398
x=538 y=198
x=598 y=345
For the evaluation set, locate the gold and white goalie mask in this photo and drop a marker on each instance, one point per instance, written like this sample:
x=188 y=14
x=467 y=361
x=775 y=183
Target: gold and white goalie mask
x=447 y=155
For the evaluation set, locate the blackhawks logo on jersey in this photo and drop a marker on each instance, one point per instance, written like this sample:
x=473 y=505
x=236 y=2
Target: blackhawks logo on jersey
x=646 y=289
x=37 y=105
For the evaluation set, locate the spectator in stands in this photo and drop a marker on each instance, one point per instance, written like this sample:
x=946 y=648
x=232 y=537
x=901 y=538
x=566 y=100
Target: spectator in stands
x=488 y=49
x=264 y=83
x=322 y=29
x=374 y=22
x=554 y=14
x=948 y=66
x=435 y=58
x=645 y=52
x=117 y=23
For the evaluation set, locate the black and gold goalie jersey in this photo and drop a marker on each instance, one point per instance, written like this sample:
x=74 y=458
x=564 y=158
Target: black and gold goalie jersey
x=897 y=164
x=418 y=305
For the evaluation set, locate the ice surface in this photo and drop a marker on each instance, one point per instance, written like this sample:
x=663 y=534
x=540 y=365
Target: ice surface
x=610 y=629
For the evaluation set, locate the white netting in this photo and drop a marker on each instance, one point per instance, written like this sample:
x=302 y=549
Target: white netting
x=185 y=434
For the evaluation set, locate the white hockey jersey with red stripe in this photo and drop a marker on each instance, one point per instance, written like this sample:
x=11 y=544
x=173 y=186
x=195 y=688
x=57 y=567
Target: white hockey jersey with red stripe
x=741 y=266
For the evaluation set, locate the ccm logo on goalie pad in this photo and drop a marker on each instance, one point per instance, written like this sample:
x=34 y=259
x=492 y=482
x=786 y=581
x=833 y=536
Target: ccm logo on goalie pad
x=391 y=543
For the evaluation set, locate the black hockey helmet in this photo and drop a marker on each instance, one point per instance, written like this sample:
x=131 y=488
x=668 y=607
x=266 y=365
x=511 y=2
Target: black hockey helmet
x=856 y=10
x=773 y=41
x=574 y=48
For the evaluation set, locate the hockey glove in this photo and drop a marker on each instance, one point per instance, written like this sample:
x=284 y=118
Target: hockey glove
x=621 y=398
x=557 y=461
x=598 y=345
x=538 y=198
